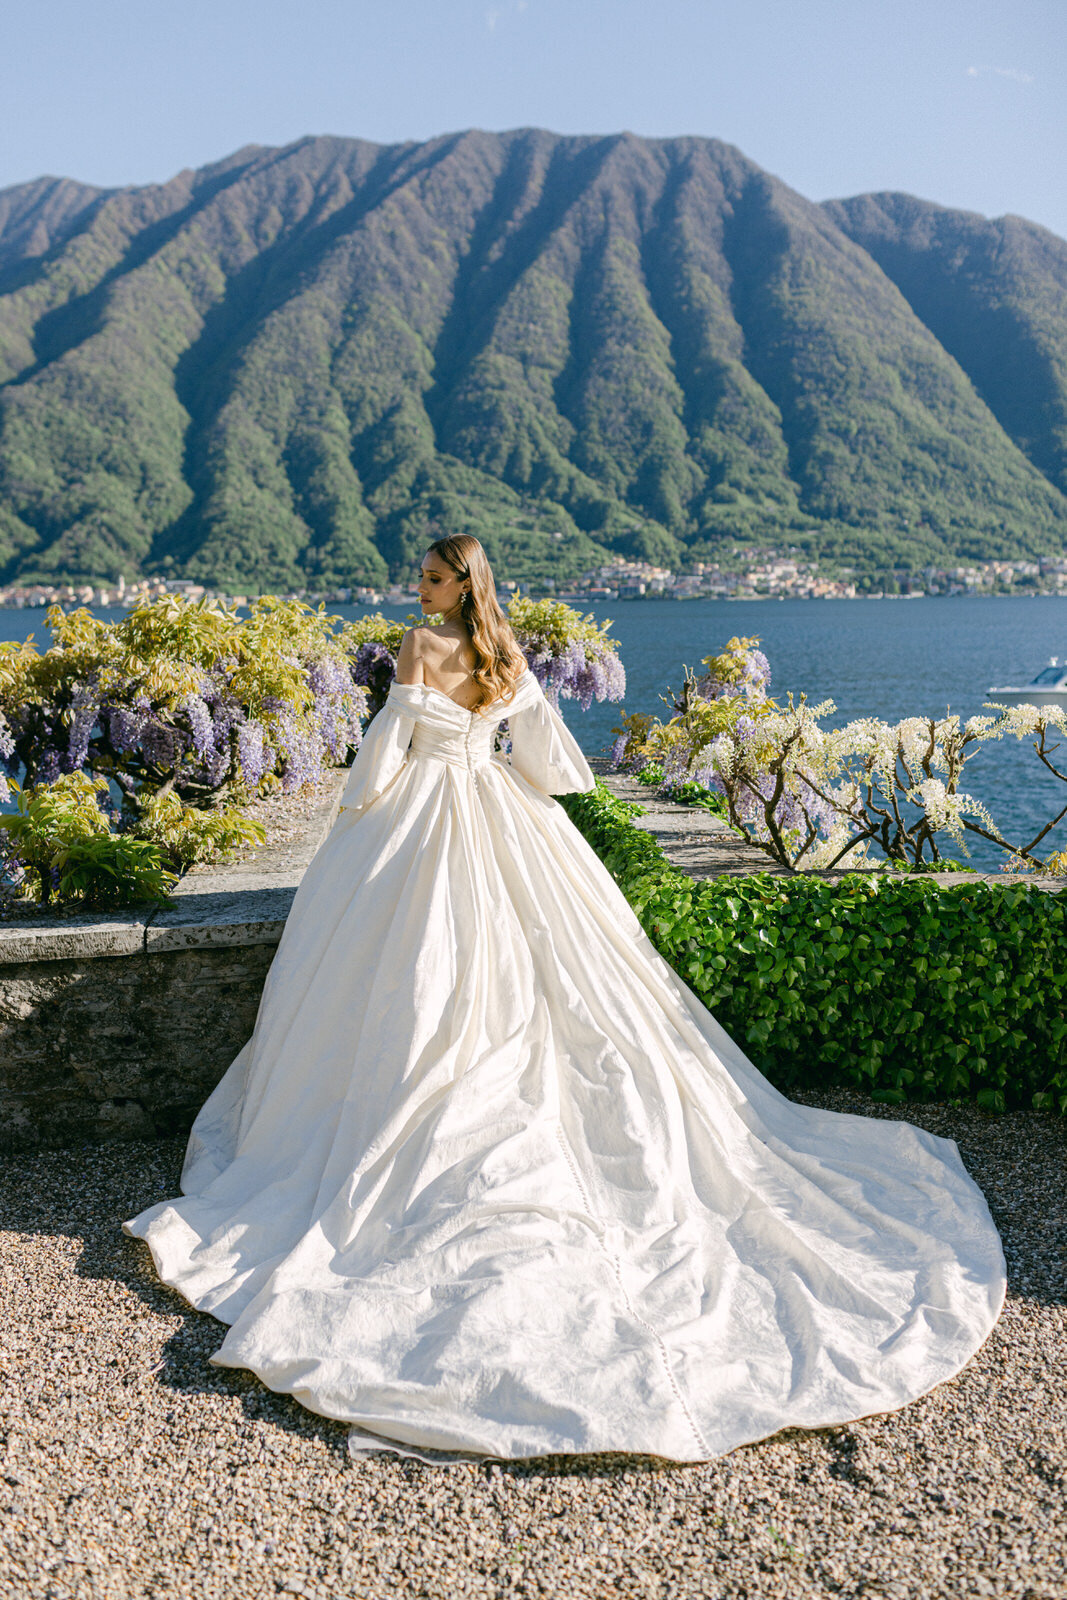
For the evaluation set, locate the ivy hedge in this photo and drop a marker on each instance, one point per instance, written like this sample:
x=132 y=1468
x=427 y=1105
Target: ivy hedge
x=908 y=988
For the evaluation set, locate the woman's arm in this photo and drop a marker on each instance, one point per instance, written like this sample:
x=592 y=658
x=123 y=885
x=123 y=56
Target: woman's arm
x=543 y=749
x=381 y=755
x=410 y=658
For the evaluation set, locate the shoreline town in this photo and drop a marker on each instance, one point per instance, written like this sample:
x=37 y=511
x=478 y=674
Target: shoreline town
x=767 y=575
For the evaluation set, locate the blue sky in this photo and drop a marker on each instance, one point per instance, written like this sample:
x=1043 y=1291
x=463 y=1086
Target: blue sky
x=962 y=103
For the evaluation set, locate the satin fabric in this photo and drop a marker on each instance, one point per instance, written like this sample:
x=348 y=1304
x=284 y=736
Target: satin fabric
x=488 y=1178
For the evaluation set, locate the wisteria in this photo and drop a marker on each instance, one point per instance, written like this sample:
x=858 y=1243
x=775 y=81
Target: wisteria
x=338 y=708
x=815 y=797
x=573 y=657
x=580 y=673
x=185 y=709
x=180 y=703
x=84 y=712
x=255 y=757
x=373 y=668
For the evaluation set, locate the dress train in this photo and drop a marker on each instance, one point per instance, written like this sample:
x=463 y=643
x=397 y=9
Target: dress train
x=489 y=1179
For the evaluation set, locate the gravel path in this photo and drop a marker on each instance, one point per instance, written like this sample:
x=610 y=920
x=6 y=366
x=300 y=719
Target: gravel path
x=130 y=1467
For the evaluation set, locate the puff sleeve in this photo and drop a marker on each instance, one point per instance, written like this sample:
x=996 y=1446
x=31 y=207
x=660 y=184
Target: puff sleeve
x=382 y=753
x=543 y=749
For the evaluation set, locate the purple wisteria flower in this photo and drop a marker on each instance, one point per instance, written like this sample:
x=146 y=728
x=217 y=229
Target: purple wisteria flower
x=580 y=672
x=126 y=723
x=339 y=706
x=254 y=754
x=302 y=754
x=7 y=742
x=372 y=669
x=85 y=709
x=753 y=684
x=201 y=724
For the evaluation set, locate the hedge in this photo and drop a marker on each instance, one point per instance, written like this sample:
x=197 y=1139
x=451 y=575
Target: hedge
x=908 y=988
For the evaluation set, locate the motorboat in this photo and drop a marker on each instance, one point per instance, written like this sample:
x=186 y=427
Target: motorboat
x=1049 y=688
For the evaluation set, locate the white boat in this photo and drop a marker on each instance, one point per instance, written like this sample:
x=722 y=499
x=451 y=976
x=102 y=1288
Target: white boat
x=1049 y=688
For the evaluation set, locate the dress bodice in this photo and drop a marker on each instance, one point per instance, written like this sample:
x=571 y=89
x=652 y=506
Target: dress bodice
x=419 y=722
x=447 y=731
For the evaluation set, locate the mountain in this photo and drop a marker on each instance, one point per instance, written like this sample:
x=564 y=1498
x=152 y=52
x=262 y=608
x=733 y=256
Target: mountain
x=283 y=369
x=994 y=295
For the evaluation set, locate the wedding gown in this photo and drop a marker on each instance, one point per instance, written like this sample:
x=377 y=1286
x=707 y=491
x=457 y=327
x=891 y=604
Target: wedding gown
x=489 y=1178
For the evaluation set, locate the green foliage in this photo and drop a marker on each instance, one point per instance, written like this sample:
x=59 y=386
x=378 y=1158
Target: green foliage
x=908 y=989
x=178 y=705
x=65 y=845
x=994 y=293
x=690 y=794
x=185 y=834
x=112 y=870
x=373 y=629
x=553 y=626
x=567 y=347
x=694 y=794
x=158 y=661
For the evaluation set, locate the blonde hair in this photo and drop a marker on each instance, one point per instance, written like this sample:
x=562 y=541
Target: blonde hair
x=498 y=660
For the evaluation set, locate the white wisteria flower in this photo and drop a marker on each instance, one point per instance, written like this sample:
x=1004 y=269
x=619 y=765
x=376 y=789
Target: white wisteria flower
x=945 y=811
x=815 y=796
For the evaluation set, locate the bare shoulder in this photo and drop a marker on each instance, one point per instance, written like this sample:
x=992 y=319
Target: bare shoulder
x=416 y=649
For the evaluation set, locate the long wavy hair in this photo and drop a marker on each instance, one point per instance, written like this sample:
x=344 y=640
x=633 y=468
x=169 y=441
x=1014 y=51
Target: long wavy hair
x=498 y=660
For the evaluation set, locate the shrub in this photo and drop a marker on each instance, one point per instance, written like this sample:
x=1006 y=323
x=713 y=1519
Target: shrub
x=185 y=834
x=187 y=711
x=571 y=656
x=911 y=989
x=60 y=847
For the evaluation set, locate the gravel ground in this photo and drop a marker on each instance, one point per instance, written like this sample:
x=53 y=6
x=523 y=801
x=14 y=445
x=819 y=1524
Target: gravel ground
x=132 y=1468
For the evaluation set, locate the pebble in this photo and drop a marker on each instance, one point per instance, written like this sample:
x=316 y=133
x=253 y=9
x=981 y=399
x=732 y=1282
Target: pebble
x=129 y=1467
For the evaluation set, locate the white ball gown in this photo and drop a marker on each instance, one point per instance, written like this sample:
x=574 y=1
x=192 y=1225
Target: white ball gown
x=488 y=1178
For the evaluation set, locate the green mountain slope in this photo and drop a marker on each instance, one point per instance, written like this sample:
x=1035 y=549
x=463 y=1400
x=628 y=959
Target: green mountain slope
x=994 y=294
x=283 y=369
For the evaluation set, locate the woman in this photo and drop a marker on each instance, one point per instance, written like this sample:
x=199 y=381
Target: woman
x=489 y=1178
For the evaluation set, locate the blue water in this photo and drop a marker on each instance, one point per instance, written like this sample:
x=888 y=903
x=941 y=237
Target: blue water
x=881 y=658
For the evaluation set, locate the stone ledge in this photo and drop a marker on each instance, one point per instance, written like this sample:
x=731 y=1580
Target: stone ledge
x=705 y=847
x=246 y=903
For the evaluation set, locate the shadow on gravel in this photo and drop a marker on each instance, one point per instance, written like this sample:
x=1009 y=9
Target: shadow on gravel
x=86 y=1192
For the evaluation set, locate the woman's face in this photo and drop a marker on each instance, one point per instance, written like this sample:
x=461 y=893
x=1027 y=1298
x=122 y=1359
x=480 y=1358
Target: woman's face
x=440 y=590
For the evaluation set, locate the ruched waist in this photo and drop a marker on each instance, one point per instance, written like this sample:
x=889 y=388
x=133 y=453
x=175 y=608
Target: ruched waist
x=471 y=750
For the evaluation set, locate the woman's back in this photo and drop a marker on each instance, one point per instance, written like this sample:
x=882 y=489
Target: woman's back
x=444 y=661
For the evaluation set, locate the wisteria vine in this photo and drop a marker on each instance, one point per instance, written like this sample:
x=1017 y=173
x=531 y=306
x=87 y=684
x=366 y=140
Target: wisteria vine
x=813 y=797
x=184 y=707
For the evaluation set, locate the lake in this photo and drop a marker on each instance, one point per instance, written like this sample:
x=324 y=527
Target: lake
x=885 y=658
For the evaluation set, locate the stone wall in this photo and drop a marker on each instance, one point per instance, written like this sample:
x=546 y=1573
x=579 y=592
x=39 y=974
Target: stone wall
x=120 y=1026
x=121 y=1046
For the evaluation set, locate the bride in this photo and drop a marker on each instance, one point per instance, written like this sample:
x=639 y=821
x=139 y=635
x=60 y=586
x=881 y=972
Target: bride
x=488 y=1177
